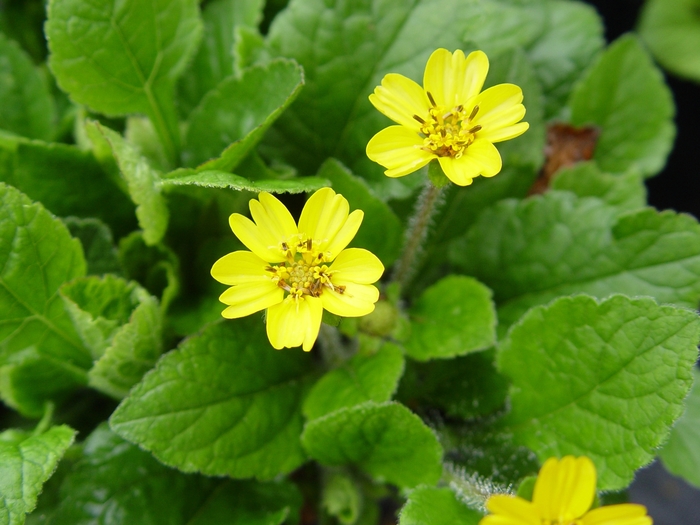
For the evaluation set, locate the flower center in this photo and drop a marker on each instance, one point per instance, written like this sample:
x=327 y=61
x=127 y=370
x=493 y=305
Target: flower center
x=448 y=132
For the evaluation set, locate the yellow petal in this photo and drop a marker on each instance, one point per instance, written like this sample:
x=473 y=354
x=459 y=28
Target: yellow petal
x=356 y=300
x=515 y=509
x=357 y=265
x=246 y=299
x=565 y=489
x=261 y=245
x=273 y=219
x=398 y=149
x=400 y=98
x=501 y=134
x=494 y=101
x=495 y=519
x=461 y=171
x=624 y=514
x=294 y=322
x=502 y=119
x=486 y=155
x=453 y=79
x=346 y=234
x=240 y=267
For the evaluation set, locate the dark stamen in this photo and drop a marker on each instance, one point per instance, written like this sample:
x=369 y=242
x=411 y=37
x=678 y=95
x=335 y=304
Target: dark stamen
x=459 y=108
x=309 y=244
x=419 y=119
x=430 y=97
x=474 y=112
x=475 y=129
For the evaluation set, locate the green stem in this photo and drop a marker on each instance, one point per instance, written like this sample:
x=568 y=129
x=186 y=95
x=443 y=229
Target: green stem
x=46 y=419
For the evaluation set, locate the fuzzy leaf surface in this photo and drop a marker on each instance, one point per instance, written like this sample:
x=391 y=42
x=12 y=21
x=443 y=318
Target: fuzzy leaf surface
x=436 y=506
x=221 y=179
x=602 y=379
x=223 y=403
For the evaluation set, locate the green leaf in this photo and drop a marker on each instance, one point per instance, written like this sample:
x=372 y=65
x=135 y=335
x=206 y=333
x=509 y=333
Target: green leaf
x=191 y=415
x=83 y=188
x=37 y=255
x=385 y=440
x=27 y=106
x=681 y=455
x=381 y=232
x=466 y=387
x=570 y=40
x=365 y=377
x=121 y=57
x=626 y=192
x=624 y=94
x=361 y=42
x=233 y=118
x=221 y=179
x=604 y=379
x=436 y=506
x=25 y=465
x=142 y=182
x=532 y=251
x=455 y=316
x=671 y=29
x=98 y=245
x=23 y=22
x=214 y=61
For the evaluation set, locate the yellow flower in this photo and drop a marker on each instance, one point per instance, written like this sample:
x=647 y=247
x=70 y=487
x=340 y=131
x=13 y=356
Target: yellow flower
x=564 y=492
x=449 y=119
x=297 y=271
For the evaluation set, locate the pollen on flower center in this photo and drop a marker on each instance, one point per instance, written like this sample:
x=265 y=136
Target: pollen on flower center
x=448 y=133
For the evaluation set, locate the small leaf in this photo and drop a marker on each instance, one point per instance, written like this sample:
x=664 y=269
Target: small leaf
x=624 y=94
x=191 y=415
x=25 y=465
x=142 y=182
x=385 y=440
x=98 y=245
x=436 y=506
x=37 y=255
x=681 y=455
x=233 y=118
x=453 y=317
x=365 y=377
x=221 y=179
x=27 y=106
x=603 y=379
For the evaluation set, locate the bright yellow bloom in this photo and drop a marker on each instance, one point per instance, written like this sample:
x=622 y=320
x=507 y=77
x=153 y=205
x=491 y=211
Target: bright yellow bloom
x=449 y=119
x=297 y=271
x=564 y=491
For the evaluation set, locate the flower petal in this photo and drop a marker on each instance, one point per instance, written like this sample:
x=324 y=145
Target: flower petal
x=565 y=489
x=345 y=234
x=485 y=154
x=324 y=214
x=623 y=514
x=513 y=509
x=460 y=171
x=398 y=149
x=246 y=299
x=272 y=218
x=240 y=267
x=357 y=265
x=294 y=322
x=400 y=98
x=260 y=244
x=355 y=301
x=501 y=134
x=496 y=100
x=502 y=119
x=453 y=79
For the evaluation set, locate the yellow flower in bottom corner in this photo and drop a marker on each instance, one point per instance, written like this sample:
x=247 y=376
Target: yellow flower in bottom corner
x=449 y=119
x=297 y=271
x=564 y=492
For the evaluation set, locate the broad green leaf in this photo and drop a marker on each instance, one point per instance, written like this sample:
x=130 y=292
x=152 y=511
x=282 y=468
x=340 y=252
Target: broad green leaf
x=121 y=57
x=192 y=415
x=385 y=440
x=250 y=48
x=465 y=387
x=671 y=29
x=624 y=94
x=381 y=231
x=98 y=245
x=455 y=316
x=139 y=132
x=232 y=118
x=83 y=188
x=532 y=251
x=570 y=39
x=681 y=455
x=604 y=379
x=436 y=506
x=25 y=465
x=626 y=192
x=37 y=255
x=142 y=182
x=215 y=59
x=365 y=377
x=221 y=179
x=27 y=106
x=23 y=21
x=360 y=43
